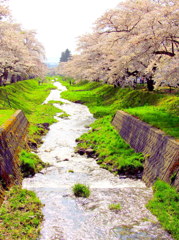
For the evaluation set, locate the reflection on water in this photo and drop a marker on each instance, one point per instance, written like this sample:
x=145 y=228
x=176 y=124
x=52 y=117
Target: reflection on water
x=70 y=218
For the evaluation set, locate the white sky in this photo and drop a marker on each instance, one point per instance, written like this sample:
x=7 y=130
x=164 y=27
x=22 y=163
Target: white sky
x=58 y=23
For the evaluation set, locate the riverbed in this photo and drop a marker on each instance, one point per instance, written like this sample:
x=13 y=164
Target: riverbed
x=69 y=218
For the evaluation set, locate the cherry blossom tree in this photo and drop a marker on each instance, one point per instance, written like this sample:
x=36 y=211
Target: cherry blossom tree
x=21 y=55
x=137 y=38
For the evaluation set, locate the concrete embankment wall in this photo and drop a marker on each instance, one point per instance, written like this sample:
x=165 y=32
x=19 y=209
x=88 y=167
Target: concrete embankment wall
x=12 y=137
x=161 y=151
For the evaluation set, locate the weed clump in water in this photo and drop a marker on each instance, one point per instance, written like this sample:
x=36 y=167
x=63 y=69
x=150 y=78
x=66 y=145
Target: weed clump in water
x=81 y=190
x=115 y=206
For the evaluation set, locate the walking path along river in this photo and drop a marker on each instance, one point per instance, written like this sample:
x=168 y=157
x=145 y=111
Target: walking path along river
x=69 y=218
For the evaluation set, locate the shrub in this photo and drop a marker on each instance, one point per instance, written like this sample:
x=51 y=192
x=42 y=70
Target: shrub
x=81 y=190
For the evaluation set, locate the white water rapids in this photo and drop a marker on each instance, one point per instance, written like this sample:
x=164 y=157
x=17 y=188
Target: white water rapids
x=69 y=218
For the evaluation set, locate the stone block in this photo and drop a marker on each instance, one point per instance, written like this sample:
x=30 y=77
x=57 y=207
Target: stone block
x=162 y=151
x=12 y=135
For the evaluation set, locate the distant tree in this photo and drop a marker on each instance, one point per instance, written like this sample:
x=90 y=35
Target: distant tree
x=65 y=56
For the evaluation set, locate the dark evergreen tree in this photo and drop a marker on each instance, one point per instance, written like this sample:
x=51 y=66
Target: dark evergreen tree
x=65 y=56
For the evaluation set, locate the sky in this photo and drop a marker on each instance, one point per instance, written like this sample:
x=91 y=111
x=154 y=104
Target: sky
x=59 y=23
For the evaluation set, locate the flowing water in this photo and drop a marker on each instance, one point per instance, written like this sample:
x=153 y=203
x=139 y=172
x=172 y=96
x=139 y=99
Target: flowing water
x=69 y=218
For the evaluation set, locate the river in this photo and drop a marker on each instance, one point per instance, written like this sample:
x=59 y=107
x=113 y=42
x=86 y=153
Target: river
x=69 y=218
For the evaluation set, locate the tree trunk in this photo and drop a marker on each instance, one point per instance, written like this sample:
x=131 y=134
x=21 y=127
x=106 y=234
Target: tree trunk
x=19 y=78
x=1 y=81
x=13 y=78
x=150 y=84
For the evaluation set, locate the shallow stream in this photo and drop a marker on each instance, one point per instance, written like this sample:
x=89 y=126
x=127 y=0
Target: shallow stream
x=69 y=218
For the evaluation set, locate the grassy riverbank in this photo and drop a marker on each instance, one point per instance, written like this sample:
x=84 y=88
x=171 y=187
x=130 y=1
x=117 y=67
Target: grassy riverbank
x=28 y=96
x=165 y=205
x=20 y=213
x=103 y=100
x=158 y=109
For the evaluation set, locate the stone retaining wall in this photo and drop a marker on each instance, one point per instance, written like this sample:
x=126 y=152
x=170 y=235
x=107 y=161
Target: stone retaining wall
x=12 y=136
x=161 y=151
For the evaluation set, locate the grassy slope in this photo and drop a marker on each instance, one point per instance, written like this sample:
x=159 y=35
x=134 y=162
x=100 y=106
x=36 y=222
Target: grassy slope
x=165 y=205
x=4 y=115
x=28 y=96
x=20 y=214
x=159 y=110
x=104 y=100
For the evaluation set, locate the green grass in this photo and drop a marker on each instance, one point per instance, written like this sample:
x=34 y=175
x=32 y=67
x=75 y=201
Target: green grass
x=64 y=115
x=24 y=95
x=158 y=118
x=160 y=110
x=5 y=115
x=55 y=101
x=111 y=150
x=81 y=190
x=165 y=205
x=30 y=163
x=103 y=100
x=20 y=215
x=115 y=207
x=28 y=96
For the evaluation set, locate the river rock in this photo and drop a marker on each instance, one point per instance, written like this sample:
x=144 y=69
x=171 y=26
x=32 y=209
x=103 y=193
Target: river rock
x=44 y=125
x=32 y=145
x=90 y=152
x=81 y=151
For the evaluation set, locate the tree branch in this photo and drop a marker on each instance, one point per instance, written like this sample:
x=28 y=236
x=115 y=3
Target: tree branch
x=171 y=54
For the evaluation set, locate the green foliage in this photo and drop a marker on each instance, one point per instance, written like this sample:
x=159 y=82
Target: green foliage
x=65 y=56
x=20 y=215
x=81 y=190
x=30 y=163
x=165 y=205
x=112 y=151
x=115 y=206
